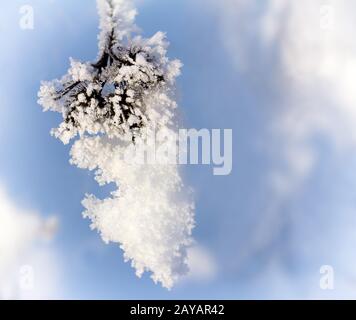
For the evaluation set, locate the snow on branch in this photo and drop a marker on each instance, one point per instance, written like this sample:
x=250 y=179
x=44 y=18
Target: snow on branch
x=111 y=105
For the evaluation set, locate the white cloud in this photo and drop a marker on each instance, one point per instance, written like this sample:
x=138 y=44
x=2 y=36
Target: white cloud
x=28 y=267
x=312 y=52
x=304 y=55
x=202 y=264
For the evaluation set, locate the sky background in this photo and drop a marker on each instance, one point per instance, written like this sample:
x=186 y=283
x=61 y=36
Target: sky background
x=281 y=75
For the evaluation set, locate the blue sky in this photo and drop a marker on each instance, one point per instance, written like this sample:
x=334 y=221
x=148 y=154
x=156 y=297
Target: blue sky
x=265 y=244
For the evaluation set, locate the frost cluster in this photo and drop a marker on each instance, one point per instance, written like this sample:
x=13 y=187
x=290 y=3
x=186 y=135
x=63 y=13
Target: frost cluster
x=109 y=106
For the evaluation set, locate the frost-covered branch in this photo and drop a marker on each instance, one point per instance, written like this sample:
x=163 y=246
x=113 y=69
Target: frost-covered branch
x=108 y=96
x=111 y=104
